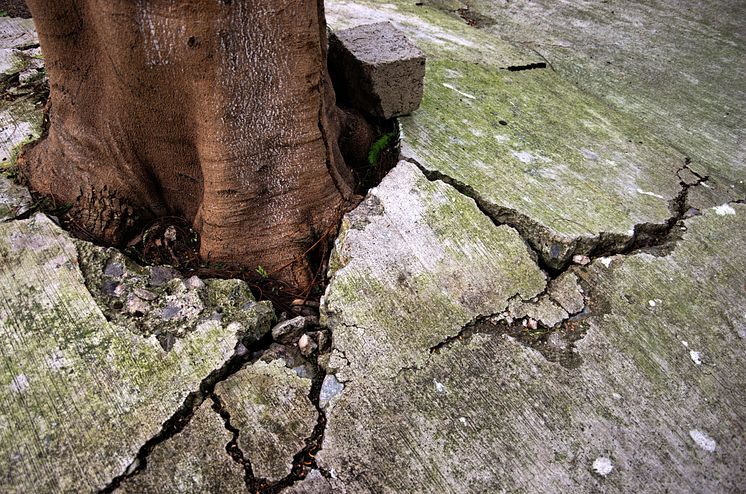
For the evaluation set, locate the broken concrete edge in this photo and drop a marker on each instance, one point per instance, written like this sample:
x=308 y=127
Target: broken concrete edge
x=553 y=252
x=558 y=312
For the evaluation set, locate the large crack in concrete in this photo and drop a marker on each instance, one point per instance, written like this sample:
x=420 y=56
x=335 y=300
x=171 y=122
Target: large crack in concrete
x=181 y=418
x=555 y=337
x=232 y=447
x=646 y=236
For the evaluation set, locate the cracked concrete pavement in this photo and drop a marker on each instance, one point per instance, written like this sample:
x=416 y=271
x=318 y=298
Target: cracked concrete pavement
x=546 y=294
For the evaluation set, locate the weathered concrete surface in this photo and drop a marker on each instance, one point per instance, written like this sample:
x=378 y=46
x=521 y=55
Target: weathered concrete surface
x=21 y=70
x=195 y=460
x=417 y=254
x=81 y=394
x=376 y=69
x=539 y=153
x=658 y=396
x=268 y=403
x=676 y=66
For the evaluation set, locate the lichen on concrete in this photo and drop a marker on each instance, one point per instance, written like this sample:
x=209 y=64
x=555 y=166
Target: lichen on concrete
x=538 y=153
x=195 y=460
x=427 y=247
x=489 y=413
x=83 y=394
x=269 y=404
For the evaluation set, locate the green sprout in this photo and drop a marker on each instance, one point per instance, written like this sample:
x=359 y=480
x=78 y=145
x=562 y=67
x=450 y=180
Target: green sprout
x=378 y=146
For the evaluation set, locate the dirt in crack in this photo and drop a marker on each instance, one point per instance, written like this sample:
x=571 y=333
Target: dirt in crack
x=556 y=344
x=181 y=418
x=653 y=238
x=304 y=461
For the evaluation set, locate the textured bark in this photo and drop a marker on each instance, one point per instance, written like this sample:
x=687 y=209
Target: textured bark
x=221 y=112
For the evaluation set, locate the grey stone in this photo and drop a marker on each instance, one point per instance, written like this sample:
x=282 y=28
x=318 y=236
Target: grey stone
x=377 y=69
x=330 y=388
x=290 y=330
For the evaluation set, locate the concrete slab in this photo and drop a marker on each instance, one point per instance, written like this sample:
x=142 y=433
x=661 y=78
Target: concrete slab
x=195 y=460
x=269 y=405
x=654 y=403
x=675 y=66
x=81 y=394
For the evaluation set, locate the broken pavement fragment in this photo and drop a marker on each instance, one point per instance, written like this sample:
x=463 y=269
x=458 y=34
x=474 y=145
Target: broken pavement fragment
x=81 y=394
x=376 y=69
x=194 y=460
x=269 y=405
x=488 y=413
x=414 y=263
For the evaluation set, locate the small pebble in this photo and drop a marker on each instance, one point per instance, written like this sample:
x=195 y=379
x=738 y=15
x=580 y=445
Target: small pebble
x=602 y=466
x=306 y=345
x=582 y=260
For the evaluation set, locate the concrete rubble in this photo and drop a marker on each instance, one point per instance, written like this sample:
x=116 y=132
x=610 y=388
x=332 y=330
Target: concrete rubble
x=545 y=295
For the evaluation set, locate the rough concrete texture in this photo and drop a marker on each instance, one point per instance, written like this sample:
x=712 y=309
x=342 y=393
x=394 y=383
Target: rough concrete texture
x=546 y=296
x=268 y=403
x=536 y=151
x=417 y=255
x=377 y=70
x=21 y=68
x=655 y=405
x=195 y=460
x=675 y=66
x=81 y=394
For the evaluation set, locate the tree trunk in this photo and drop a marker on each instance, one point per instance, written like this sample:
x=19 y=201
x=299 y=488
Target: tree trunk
x=217 y=111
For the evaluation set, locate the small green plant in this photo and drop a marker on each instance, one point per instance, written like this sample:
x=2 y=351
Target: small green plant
x=3 y=13
x=378 y=146
x=262 y=272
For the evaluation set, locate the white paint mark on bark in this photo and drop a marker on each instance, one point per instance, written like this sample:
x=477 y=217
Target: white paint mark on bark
x=696 y=357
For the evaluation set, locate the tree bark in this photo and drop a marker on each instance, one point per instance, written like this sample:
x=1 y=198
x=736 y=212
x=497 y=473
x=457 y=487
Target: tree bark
x=218 y=111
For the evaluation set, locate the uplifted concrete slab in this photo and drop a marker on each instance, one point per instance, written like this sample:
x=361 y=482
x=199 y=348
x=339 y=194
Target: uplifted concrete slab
x=653 y=403
x=536 y=151
x=82 y=394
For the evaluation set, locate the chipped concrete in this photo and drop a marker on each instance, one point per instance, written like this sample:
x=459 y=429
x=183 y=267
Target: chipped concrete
x=547 y=297
x=376 y=69
x=489 y=413
x=83 y=394
x=269 y=405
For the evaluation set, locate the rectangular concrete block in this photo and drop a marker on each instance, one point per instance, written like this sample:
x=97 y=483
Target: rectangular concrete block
x=377 y=70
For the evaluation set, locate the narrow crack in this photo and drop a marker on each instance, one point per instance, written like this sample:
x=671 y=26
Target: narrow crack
x=530 y=66
x=180 y=419
x=232 y=447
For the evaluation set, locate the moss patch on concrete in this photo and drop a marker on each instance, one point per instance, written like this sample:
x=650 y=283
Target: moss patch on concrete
x=81 y=393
